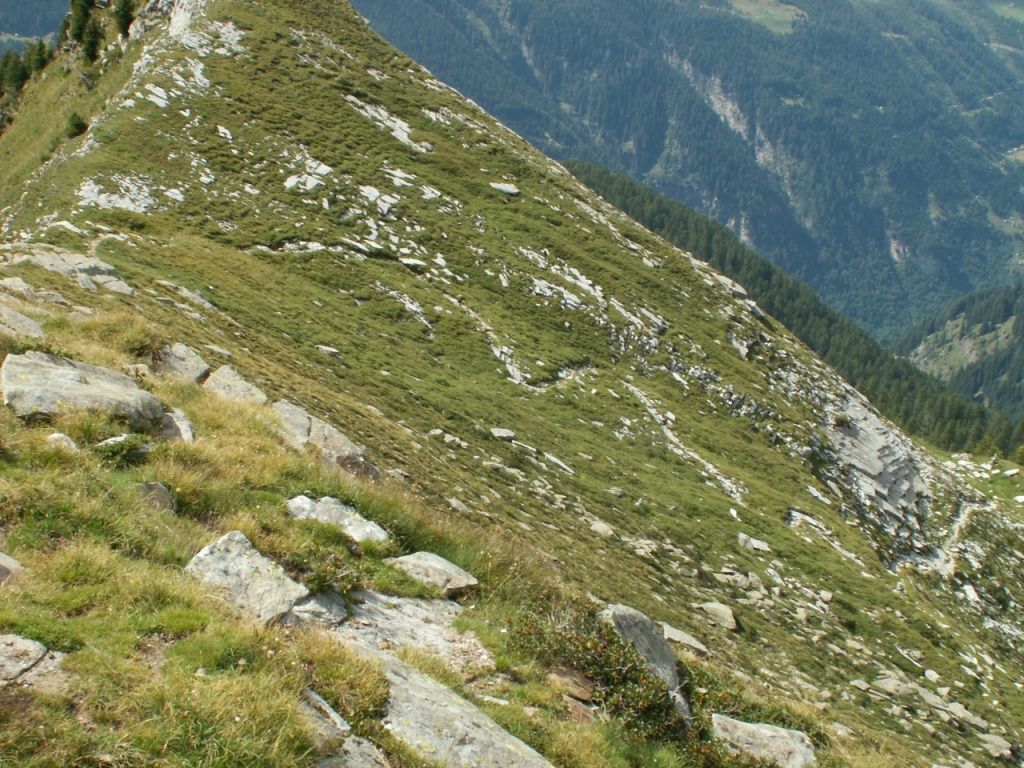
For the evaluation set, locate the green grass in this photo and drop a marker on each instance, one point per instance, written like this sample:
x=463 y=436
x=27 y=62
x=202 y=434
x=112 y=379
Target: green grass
x=777 y=16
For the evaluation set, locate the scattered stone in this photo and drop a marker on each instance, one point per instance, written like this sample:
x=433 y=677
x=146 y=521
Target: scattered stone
x=997 y=746
x=226 y=382
x=356 y=752
x=435 y=571
x=219 y=350
x=132 y=454
x=301 y=429
x=332 y=512
x=752 y=544
x=16 y=324
x=721 y=615
x=602 y=528
x=329 y=351
x=157 y=497
x=783 y=747
x=327 y=609
x=9 y=567
x=505 y=435
x=571 y=683
x=637 y=629
x=689 y=642
x=18 y=655
x=579 y=713
x=1011 y=472
x=181 y=362
x=508 y=189
x=175 y=425
x=40 y=386
x=62 y=442
x=254 y=583
x=932 y=676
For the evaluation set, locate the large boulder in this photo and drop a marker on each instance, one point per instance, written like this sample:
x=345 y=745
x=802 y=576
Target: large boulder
x=332 y=512
x=302 y=429
x=783 y=747
x=16 y=324
x=649 y=641
x=257 y=585
x=40 y=386
x=181 y=362
x=435 y=571
x=226 y=382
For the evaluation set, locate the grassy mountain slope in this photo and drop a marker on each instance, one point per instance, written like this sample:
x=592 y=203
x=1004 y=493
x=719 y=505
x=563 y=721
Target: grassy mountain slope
x=869 y=151
x=912 y=398
x=319 y=188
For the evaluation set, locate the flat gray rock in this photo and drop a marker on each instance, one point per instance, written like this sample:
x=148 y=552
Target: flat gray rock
x=9 y=567
x=226 y=382
x=326 y=609
x=721 y=615
x=16 y=324
x=254 y=583
x=783 y=747
x=444 y=728
x=505 y=435
x=649 y=641
x=325 y=724
x=332 y=512
x=435 y=571
x=175 y=425
x=18 y=655
x=300 y=428
x=39 y=386
x=157 y=497
x=47 y=676
x=181 y=362
x=356 y=752
x=686 y=640
x=62 y=442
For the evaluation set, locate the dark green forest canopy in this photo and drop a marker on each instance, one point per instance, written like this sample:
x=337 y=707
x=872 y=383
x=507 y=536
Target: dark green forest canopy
x=915 y=400
x=870 y=152
x=31 y=18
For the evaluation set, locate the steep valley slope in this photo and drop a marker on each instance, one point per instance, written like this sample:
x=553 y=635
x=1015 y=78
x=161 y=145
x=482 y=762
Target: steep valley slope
x=273 y=185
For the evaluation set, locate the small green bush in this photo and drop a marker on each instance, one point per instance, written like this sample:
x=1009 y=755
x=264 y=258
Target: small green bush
x=76 y=126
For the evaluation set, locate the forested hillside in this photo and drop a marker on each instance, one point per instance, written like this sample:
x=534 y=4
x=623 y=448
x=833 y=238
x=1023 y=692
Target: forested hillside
x=869 y=149
x=977 y=346
x=918 y=402
x=31 y=18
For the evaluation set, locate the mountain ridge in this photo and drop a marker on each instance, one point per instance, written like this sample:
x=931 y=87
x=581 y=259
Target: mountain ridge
x=274 y=186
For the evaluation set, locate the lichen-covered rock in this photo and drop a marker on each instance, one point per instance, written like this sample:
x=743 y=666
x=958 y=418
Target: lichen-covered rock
x=175 y=425
x=18 y=655
x=649 y=641
x=254 y=583
x=182 y=362
x=356 y=752
x=435 y=571
x=16 y=324
x=332 y=512
x=157 y=497
x=40 y=386
x=783 y=747
x=226 y=382
x=300 y=428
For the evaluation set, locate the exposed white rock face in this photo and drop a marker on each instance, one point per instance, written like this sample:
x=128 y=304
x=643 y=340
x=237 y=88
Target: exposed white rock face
x=182 y=362
x=435 y=571
x=885 y=474
x=90 y=272
x=784 y=748
x=332 y=512
x=39 y=386
x=16 y=324
x=637 y=629
x=255 y=584
x=509 y=189
x=226 y=382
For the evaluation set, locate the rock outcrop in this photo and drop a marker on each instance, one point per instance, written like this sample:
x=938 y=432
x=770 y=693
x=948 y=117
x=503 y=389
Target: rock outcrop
x=181 y=362
x=16 y=324
x=226 y=382
x=157 y=497
x=784 y=748
x=300 y=428
x=435 y=571
x=28 y=663
x=40 y=386
x=637 y=629
x=332 y=512
x=256 y=585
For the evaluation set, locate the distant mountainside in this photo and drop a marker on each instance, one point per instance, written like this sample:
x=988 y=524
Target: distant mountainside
x=872 y=150
x=343 y=427
x=977 y=346
x=914 y=399
x=31 y=18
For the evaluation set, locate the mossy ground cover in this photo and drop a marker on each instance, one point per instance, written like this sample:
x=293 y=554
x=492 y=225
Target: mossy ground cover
x=421 y=363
